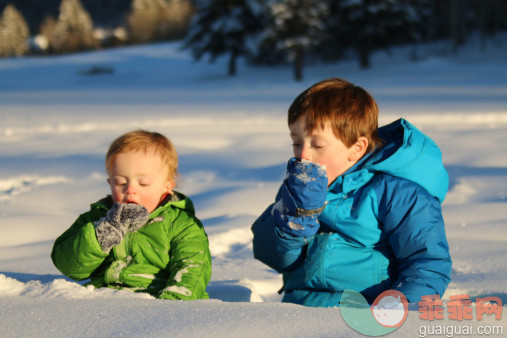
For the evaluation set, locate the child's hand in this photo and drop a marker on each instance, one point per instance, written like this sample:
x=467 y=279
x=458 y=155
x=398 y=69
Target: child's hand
x=307 y=186
x=119 y=221
x=302 y=198
x=127 y=217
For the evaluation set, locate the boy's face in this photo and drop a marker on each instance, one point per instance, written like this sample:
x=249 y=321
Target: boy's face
x=321 y=146
x=139 y=177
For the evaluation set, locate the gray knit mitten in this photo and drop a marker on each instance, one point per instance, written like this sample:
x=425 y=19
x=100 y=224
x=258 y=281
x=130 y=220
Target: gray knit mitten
x=119 y=221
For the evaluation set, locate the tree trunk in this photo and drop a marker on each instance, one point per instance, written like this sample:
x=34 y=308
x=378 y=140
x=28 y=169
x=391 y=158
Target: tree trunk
x=232 y=63
x=363 y=52
x=456 y=25
x=483 y=23
x=298 y=64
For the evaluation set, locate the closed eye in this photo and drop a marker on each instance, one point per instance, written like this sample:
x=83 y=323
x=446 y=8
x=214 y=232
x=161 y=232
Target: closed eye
x=319 y=145
x=145 y=182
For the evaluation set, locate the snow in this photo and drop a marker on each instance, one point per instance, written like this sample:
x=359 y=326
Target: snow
x=303 y=176
x=233 y=145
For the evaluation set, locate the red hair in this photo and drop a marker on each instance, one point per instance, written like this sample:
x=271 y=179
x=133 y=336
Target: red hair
x=349 y=109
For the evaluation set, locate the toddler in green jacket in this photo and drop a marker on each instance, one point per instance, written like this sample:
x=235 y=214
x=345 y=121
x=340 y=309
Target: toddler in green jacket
x=144 y=236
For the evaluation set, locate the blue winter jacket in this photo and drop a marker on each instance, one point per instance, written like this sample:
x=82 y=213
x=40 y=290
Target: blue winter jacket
x=381 y=229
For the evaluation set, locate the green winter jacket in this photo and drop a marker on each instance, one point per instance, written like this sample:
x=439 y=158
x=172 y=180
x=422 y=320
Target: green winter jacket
x=168 y=257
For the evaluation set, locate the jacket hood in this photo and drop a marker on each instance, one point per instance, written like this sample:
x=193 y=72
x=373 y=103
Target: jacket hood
x=409 y=154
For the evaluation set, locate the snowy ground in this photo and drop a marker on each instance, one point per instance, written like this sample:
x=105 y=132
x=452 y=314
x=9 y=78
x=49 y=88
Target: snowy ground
x=232 y=138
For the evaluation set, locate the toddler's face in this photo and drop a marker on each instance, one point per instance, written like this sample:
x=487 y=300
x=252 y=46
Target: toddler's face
x=139 y=177
x=321 y=146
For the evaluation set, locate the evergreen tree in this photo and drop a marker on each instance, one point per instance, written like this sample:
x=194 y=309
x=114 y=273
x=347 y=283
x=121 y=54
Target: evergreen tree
x=223 y=27
x=179 y=14
x=74 y=28
x=429 y=20
x=295 y=27
x=107 y=14
x=152 y=20
x=335 y=40
x=14 y=32
x=457 y=27
x=367 y=25
x=144 y=20
x=47 y=27
x=489 y=17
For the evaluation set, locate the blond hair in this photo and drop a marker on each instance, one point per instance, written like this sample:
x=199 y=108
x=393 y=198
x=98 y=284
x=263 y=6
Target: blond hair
x=142 y=140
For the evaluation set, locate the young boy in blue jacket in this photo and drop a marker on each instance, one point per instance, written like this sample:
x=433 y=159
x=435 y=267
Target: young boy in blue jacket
x=359 y=207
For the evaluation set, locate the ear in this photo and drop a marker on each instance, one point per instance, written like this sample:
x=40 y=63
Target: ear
x=169 y=186
x=358 y=149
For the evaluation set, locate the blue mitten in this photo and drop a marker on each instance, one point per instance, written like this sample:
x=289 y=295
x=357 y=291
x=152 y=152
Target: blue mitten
x=301 y=198
x=119 y=221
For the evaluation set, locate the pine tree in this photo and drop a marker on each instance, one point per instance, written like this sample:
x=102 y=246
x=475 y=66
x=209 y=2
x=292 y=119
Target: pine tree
x=296 y=26
x=47 y=27
x=14 y=32
x=151 y=20
x=223 y=27
x=144 y=19
x=428 y=20
x=74 y=28
x=489 y=16
x=456 y=20
x=367 y=25
x=177 y=19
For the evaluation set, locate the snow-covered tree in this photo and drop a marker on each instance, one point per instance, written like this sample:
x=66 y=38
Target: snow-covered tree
x=223 y=27
x=14 y=32
x=295 y=28
x=366 y=25
x=428 y=20
x=74 y=28
x=490 y=17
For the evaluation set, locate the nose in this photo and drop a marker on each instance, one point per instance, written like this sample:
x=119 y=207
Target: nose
x=305 y=153
x=130 y=189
